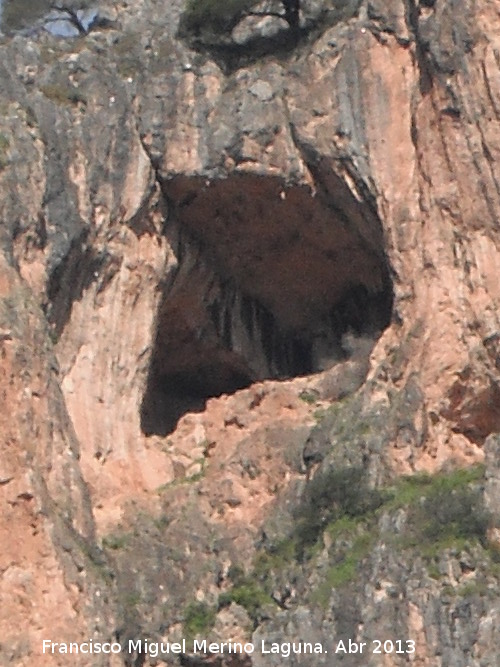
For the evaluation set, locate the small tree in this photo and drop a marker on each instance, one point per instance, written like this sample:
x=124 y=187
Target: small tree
x=20 y=14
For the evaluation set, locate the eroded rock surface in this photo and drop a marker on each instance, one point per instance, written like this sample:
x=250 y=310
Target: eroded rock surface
x=236 y=286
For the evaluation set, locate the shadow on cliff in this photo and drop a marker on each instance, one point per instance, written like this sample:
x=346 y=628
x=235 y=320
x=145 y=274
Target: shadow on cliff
x=271 y=280
x=231 y=55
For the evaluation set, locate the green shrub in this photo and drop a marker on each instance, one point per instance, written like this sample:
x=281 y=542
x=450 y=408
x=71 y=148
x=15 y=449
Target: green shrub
x=4 y=147
x=442 y=511
x=344 y=525
x=131 y=599
x=308 y=397
x=250 y=596
x=115 y=541
x=451 y=514
x=346 y=569
x=274 y=560
x=128 y=51
x=235 y=574
x=247 y=591
x=433 y=571
x=408 y=490
x=63 y=94
x=473 y=589
x=199 y=618
x=343 y=491
x=330 y=496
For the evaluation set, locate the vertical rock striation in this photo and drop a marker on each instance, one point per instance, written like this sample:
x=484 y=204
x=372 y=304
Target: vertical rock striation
x=235 y=275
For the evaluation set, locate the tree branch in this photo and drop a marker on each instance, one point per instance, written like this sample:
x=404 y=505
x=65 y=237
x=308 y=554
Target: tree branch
x=274 y=14
x=71 y=16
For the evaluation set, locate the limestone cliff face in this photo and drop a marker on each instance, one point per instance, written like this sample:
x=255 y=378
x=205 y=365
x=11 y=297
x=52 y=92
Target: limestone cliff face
x=244 y=288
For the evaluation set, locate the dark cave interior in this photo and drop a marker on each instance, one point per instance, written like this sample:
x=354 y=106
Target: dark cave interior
x=266 y=287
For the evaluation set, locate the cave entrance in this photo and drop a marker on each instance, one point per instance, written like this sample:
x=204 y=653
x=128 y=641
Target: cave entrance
x=269 y=281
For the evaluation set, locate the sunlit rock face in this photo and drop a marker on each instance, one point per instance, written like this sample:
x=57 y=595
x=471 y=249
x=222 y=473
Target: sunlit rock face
x=240 y=294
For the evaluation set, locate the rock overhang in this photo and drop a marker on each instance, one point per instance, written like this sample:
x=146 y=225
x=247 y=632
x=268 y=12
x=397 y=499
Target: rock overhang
x=295 y=250
x=271 y=276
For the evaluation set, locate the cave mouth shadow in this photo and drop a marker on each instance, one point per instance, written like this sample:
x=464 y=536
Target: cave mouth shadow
x=198 y=373
x=270 y=282
x=183 y=377
x=168 y=397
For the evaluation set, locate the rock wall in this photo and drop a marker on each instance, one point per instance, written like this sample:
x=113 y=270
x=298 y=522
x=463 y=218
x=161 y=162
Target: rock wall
x=233 y=276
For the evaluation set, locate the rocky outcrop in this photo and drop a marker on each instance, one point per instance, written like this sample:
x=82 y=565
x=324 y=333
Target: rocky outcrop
x=246 y=285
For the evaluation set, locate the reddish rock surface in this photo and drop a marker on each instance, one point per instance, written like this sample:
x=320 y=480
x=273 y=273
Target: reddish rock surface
x=197 y=261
